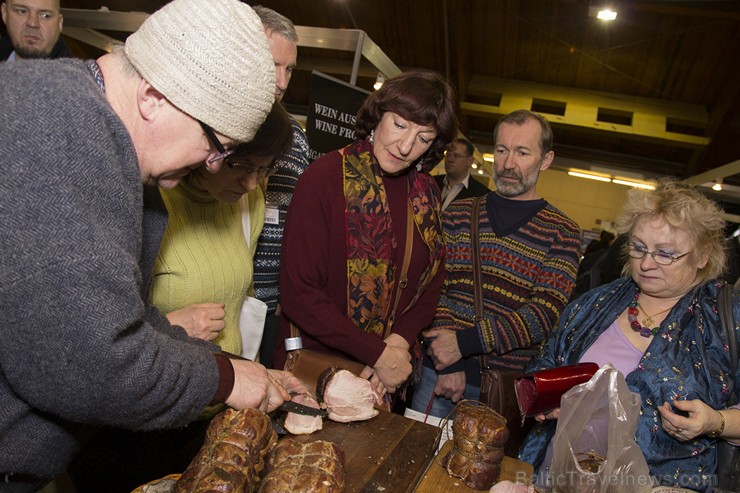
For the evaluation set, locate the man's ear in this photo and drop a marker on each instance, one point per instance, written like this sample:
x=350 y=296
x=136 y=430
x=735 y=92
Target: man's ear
x=149 y=101
x=4 y=13
x=61 y=22
x=547 y=160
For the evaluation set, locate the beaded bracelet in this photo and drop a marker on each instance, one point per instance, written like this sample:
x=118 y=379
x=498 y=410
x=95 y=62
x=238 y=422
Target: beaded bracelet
x=721 y=428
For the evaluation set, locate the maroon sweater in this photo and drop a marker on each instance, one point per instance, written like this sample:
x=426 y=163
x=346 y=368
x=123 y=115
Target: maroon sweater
x=313 y=268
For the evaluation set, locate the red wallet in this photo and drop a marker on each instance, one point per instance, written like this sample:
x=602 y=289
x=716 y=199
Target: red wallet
x=540 y=392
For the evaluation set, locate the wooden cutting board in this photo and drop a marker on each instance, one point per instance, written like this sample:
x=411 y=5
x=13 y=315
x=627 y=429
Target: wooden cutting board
x=436 y=479
x=388 y=453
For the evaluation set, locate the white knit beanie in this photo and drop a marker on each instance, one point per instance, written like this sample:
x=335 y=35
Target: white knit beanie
x=210 y=59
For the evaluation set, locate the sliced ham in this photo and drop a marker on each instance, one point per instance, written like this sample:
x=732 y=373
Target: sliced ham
x=298 y=424
x=345 y=396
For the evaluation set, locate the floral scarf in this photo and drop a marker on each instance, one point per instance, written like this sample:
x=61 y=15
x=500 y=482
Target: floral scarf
x=371 y=244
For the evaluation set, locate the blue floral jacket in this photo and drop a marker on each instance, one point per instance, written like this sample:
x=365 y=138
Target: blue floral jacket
x=688 y=359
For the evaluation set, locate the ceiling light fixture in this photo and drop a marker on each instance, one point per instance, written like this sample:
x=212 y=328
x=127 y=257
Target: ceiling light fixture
x=602 y=12
x=645 y=186
x=606 y=14
x=610 y=179
x=717 y=187
x=589 y=176
x=379 y=81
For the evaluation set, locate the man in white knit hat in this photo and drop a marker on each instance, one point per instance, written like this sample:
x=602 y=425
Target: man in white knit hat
x=78 y=352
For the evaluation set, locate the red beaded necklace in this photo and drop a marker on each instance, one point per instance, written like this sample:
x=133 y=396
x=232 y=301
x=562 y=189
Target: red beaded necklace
x=633 y=312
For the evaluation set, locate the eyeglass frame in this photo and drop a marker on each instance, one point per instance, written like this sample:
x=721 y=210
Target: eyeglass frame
x=633 y=248
x=261 y=171
x=223 y=153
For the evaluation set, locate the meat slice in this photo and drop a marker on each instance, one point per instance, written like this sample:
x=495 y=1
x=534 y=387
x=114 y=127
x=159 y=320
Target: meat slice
x=345 y=396
x=298 y=424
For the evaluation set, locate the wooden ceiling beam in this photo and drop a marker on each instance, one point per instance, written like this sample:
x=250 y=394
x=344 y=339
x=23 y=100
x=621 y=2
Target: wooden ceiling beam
x=92 y=38
x=724 y=171
x=103 y=20
x=701 y=9
x=84 y=24
x=629 y=116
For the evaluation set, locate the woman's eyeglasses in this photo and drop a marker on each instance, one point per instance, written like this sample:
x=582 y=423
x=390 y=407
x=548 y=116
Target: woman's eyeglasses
x=261 y=171
x=222 y=151
x=660 y=257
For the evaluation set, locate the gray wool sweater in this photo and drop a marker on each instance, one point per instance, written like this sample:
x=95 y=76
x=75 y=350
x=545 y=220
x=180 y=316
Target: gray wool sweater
x=76 y=349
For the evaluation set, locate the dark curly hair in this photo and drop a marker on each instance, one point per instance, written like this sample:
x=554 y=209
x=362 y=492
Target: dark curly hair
x=273 y=138
x=420 y=96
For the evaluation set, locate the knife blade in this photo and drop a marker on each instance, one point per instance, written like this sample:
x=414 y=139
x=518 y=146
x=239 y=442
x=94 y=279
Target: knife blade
x=294 y=407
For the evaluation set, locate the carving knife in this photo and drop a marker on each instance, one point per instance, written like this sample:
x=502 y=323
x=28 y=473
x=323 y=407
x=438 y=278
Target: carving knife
x=294 y=407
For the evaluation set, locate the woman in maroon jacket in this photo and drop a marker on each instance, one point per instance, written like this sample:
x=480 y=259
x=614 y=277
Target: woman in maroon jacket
x=361 y=219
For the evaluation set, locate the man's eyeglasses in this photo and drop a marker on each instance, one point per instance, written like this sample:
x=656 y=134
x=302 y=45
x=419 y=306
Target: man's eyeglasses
x=222 y=151
x=660 y=257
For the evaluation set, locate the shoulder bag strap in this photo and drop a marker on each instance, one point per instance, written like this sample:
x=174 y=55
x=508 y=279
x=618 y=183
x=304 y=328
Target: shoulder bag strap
x=475 y=257
x=403 y=280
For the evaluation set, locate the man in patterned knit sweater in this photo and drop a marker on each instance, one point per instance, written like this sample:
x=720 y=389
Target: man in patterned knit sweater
x=282 y=39
x=529 y=253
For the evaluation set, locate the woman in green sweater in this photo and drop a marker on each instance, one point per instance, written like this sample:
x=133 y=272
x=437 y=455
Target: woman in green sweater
x=204 y=268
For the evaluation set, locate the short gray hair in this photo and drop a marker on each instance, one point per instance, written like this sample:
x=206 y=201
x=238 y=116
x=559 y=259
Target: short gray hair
x=276 y=23
x=520 y=117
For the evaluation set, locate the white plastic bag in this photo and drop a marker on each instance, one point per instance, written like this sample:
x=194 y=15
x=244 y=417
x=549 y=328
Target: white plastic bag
x=254 y=312
x=594 y=448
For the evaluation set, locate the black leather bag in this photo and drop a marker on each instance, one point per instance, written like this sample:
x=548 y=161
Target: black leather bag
x=728 y=455
x=497 y=392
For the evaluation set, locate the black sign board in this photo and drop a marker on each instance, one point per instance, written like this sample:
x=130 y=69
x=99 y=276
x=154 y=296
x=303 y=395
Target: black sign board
x=330 y=122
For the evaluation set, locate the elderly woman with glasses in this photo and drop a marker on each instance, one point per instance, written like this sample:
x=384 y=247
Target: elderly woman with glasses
x=659 y=326
x=204 y=266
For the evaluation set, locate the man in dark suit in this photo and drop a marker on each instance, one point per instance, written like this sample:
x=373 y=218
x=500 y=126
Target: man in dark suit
x=457 y=183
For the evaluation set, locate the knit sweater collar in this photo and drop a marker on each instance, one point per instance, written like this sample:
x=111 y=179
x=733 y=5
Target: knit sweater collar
x=195 y=194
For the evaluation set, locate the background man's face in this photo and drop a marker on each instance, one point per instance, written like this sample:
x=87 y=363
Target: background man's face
x=518 y=159
x=33 y=26
x=285 y=53
x=457 y=161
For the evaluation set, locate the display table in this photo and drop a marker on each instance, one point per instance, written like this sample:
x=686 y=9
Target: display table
x=436 y=479
x=388 y=453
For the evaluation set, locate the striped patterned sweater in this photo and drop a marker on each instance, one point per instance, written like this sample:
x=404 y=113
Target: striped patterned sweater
x=278 y=194
x=527 y=278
